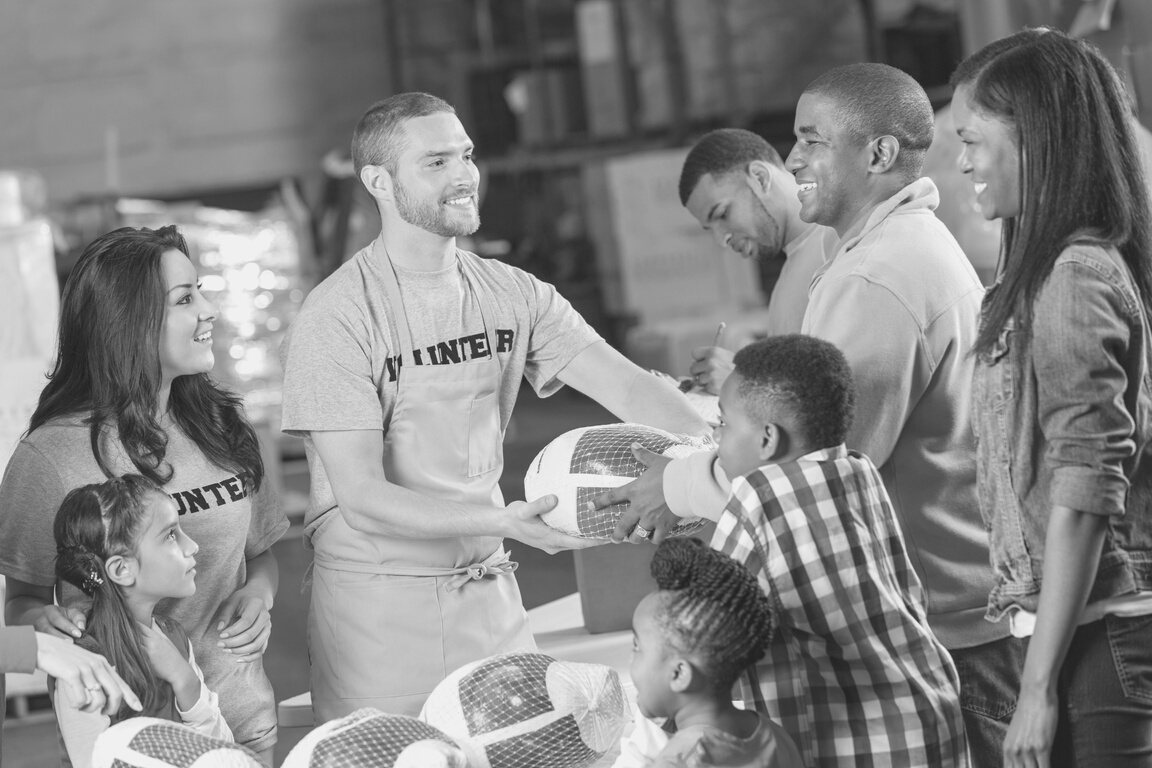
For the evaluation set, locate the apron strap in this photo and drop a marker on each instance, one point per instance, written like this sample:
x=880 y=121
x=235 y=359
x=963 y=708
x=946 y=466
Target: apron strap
x=496 y=564
x=484 y=299
x=403 y=334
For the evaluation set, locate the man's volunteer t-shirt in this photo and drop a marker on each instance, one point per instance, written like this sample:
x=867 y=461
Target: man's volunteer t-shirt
x=218 y=509
x=341 y=364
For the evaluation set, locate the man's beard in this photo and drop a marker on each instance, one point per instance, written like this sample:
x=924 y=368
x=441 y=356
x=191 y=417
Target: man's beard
x=769 y=242
x=430 y=216
x=768 y=253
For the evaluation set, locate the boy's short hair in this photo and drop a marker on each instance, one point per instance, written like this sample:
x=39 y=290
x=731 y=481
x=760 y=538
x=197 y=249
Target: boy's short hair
x=807 y=376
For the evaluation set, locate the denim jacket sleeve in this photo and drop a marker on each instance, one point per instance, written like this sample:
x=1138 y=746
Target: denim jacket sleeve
x=1080 y=337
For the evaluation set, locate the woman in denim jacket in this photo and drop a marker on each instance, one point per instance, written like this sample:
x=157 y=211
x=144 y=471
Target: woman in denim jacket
x=1062 y=392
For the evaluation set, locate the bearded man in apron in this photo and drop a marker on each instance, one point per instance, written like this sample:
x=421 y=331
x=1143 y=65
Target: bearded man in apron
x=401 y=372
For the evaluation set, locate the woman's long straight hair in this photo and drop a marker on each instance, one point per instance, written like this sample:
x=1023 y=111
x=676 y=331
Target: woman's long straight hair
x=108 y=363
x=94 y=523
x=1081 y=172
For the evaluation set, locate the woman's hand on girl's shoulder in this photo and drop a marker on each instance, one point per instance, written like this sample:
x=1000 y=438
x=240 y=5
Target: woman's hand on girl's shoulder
x=245 y=624
x=168 y=662
x=61 y=622
x=27 y=603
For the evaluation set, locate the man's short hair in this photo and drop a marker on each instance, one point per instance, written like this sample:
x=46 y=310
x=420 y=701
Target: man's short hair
x=807 y=377
x=723 y=151
x=375 y=140
x=876 y=100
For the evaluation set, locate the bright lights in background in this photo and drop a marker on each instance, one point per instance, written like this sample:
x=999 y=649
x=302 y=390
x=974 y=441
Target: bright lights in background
x=249 y=266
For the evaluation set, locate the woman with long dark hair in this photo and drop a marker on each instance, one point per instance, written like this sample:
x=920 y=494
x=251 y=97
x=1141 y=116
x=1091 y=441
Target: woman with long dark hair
x=1063 y=391
x=130 y=393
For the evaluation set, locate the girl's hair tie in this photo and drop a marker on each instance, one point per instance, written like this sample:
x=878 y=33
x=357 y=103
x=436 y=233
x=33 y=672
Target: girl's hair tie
x=80 y=554
x=91 y=582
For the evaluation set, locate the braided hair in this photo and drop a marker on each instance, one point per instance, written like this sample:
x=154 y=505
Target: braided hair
x=94 y=523
x=714 y=610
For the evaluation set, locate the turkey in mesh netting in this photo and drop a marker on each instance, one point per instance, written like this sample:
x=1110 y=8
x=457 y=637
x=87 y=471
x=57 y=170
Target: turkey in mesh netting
x=146 y=742
x=581 y=464
x=525 y=710
x=369 y=738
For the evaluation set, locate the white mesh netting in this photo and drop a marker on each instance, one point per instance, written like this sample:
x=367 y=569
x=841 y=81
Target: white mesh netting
x=369 y=738
x=581 y=464
x=527 y=710
x=146 y=742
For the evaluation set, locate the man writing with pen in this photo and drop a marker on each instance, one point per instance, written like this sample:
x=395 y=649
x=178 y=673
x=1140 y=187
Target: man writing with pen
x=735 y=184
x=704 y=356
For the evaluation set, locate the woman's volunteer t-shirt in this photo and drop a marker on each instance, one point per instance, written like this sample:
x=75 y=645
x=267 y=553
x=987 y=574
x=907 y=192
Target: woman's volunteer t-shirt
x=219 y=510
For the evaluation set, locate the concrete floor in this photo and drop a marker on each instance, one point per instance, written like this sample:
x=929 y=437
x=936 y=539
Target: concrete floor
x=542 y=577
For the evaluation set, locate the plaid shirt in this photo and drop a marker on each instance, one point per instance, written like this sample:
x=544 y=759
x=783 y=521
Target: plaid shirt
x=852 y=673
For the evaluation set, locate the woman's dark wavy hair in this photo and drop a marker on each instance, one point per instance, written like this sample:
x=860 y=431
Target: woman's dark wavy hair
x=108 y=363
x=1081 y=175
x=94 y=523
x=715 y=610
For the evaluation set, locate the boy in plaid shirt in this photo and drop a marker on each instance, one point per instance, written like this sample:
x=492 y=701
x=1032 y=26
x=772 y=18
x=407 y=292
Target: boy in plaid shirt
x=853 y=672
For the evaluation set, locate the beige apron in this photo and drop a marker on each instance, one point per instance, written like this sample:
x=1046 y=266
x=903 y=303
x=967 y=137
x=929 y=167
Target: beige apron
x=391 y=618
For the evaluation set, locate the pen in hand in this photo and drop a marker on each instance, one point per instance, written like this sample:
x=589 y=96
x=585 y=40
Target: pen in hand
x=689 y=384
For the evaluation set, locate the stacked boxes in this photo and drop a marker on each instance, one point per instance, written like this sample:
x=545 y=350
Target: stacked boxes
x=778 y=46
x=1127 y=42
x=655 y=261
x=604 y=68
x=729 y=58
x=1122 y=29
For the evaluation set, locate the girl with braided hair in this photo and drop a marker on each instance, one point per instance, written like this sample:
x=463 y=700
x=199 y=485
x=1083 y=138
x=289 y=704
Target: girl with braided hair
x=707 y=622
x=120 y=542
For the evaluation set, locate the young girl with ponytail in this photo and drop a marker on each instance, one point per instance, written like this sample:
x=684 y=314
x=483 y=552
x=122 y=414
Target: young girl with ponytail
x=120 y=542
x=707 y=621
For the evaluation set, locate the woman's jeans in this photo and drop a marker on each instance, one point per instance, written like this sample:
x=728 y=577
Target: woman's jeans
x=1105 y=694
x=989 y=685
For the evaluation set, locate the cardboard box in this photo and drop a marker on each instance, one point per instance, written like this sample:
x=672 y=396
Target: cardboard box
x=754 y=56
x=603 y=67
x=666 y=345
x=614 y=578
x=649 y=56
x=704 y=48
x=1139 y=68
x=532 y=123
x=654 y=260
x=1136 y=18
x=566 y=102
x=779 y=46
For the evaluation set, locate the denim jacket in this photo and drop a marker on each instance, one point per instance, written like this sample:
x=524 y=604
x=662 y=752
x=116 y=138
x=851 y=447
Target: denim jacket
x=1066 y=419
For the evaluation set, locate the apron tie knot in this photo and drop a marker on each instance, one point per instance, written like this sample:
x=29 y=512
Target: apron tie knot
x=497 y=564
